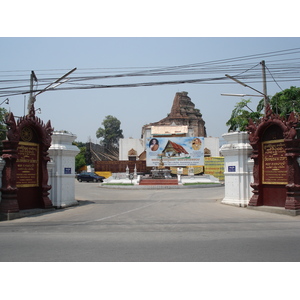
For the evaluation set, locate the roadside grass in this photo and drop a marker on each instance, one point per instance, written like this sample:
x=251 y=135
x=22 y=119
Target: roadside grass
x=198 y=183
x=117 y=184
x=188 y=183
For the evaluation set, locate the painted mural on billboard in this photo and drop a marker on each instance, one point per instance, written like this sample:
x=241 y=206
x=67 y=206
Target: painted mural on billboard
x=175 y=151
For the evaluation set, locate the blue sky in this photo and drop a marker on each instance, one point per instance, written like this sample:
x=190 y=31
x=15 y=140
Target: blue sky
x=82 y=111
x=57 y=47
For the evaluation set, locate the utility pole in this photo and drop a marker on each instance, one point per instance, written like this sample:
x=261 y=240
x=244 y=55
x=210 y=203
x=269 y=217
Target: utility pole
x=266 y=99
x=31 y=98
x=52 y=85
x=264 y=94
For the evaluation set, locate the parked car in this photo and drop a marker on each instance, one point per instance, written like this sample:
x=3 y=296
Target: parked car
x=89 y=176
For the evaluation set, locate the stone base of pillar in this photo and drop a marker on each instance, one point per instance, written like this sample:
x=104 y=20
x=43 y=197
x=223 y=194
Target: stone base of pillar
x=237 y=202
x=276 y=210
x=9 y=202
x=23 y=213
x=9 y=216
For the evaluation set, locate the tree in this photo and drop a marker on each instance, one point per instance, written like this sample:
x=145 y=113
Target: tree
x=3 y=128
x=240 y=117
x=111 y=133
x=282 y=103
x=286 y=101
x=80 y=160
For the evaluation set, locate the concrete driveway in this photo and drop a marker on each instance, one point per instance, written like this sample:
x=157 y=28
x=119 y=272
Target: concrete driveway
x=165 y=225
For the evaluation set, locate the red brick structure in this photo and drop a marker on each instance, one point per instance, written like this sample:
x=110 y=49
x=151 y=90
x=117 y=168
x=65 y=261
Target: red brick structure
x=120 y=166
x=183 y=112
x=276 y=154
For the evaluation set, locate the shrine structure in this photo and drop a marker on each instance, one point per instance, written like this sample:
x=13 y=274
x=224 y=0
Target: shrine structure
x=25 y=175
x=276 y=155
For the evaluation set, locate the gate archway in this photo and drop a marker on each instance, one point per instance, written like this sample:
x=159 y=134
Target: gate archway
x=25 y=175
x=276 y=151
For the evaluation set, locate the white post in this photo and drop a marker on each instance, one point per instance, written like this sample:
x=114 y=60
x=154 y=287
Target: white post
x=50 y=168
x=135 y=172
x=62 y=175
x=238 y=171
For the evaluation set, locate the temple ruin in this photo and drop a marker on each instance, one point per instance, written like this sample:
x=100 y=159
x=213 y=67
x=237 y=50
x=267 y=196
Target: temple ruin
x=183 y=120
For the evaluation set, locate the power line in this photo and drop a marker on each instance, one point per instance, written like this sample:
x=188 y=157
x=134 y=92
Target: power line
x=285 y=69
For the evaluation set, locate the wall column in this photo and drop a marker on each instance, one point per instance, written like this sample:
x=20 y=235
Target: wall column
x=62 y=174
x=237 y=168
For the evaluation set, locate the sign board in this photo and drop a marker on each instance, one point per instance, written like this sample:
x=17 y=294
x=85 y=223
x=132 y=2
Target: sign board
x=231 y=168
x=274 y=162
x=27 y=165
x=175 y=151
x=67 y=171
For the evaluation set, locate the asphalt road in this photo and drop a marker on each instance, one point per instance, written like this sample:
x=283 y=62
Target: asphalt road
x=166 y=225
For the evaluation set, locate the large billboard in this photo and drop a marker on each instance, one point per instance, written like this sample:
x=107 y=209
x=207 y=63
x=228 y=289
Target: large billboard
x=175 y=151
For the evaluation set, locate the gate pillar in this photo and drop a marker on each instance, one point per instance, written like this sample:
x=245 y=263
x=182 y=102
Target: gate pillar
x=276 y=155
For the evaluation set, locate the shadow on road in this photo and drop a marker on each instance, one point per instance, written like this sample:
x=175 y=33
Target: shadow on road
x=85 y=202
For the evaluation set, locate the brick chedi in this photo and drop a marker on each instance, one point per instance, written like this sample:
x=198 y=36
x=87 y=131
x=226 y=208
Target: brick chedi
x=183 y=113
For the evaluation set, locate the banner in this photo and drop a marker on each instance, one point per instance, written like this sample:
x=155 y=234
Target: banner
x=175 y=151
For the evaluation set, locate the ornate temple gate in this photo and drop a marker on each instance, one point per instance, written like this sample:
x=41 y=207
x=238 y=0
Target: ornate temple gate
x=276 y=154
x=25 y=175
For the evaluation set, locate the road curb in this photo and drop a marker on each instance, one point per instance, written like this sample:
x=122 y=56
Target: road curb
x=159 y=187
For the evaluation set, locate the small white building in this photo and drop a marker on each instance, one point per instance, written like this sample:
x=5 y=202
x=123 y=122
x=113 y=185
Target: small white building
x=212 y=145
x=130 y=149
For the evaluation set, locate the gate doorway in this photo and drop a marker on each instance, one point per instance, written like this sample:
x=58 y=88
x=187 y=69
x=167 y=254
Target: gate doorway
x=25 y=174
x=276 y=151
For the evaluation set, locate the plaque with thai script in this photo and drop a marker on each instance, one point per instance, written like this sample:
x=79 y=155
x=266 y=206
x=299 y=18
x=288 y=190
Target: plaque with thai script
x=274 y=162
x=28 y=165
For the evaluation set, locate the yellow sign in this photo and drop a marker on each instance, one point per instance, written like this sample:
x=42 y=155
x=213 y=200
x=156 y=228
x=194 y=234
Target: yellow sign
x=274 y=162
x=28 y=165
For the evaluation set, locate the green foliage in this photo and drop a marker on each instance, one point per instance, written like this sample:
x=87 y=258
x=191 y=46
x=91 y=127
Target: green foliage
x=111 y=133
x=118 y=184
x=79 y=144
x=3 y=128
x=80 y=159
x=282 y=103
x=240 y=117
x=286 y=101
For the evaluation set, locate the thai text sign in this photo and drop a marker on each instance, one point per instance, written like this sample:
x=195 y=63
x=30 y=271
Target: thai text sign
x=175 y=151
x=274 y=162
x=214 y=166
x=28 y=165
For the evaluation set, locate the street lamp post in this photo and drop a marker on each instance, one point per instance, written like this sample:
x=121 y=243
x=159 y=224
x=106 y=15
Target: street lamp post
x=6 y=101
x=241 y=95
